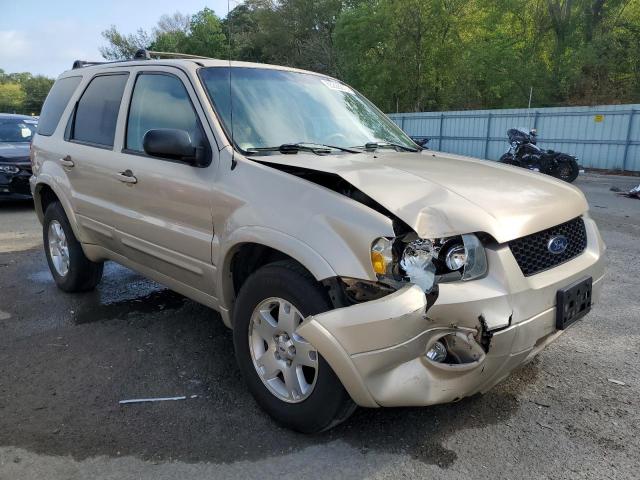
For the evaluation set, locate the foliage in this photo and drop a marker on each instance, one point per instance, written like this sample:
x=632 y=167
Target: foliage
x=412 y=55
x=23 y=92
x=123 y=46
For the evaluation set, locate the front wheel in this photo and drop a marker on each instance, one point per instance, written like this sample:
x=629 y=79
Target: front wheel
x=286 y=375
x=509 y=159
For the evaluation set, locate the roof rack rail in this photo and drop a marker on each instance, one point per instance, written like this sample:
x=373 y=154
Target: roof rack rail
x=141 y=54
x=144 y=54
x=85 y=63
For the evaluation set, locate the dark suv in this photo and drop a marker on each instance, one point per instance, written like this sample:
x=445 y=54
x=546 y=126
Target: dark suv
x=16 y=132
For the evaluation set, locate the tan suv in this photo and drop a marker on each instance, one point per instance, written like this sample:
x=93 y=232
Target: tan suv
x=354 y=267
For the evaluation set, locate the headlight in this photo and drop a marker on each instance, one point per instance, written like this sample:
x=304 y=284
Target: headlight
x=426 y=262
x=464 y=254
x=455 y=257
x=476 y=258
x=9 y=169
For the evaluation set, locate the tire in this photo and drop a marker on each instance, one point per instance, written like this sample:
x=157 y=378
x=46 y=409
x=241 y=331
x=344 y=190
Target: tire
x=328 y=403
x=81 y=273
x=567 y=169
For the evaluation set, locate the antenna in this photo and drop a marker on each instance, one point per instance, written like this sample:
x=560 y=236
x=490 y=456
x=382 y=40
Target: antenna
x=233 y=148
x=529 y=107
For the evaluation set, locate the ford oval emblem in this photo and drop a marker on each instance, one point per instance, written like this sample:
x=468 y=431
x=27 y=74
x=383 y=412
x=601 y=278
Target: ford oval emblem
x=557 y=244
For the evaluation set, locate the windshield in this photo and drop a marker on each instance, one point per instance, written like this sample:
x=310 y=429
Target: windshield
x=275 y=107
x=17 y=131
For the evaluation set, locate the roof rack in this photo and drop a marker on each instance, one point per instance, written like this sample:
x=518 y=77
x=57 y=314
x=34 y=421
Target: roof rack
x=85 y=63
x=142 y=54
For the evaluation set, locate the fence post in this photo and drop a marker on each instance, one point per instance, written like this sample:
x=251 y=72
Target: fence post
x=486 y=139
x=440 y=134
x=402 y=123
x=535 y=120
x=628 y=140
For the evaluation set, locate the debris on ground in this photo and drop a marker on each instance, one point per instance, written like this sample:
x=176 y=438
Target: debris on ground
x=617 y=382
x=160 y=399
x=633 y=193
x=545 y=426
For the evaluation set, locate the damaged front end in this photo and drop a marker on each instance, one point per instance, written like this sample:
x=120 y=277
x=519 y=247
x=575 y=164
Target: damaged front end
x=382 y=332
x=383 y=351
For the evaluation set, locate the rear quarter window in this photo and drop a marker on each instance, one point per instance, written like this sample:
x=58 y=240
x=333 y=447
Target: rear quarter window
x=55 y=104
x=96 y=115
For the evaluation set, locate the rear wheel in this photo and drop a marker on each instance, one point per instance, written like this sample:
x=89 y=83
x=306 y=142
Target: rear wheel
x=70 y=268
x=287 y=376
x=567 y=169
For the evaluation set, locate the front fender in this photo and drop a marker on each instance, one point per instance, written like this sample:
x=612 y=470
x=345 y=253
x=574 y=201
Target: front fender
x=268 y=237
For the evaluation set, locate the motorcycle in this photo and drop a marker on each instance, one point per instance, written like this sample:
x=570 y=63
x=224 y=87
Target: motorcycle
x=523 y=152
x=421 y=141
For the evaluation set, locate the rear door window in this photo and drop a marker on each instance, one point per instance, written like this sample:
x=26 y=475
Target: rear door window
x=55 y=104
x=96 y=115
x=160 y=101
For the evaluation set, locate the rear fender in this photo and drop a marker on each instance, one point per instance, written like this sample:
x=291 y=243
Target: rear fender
x=37 y=185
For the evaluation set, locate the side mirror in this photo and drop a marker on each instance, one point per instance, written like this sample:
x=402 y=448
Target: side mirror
x=175 y=145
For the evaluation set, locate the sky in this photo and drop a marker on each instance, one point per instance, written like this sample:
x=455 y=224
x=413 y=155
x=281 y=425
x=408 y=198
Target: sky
x=46 y=36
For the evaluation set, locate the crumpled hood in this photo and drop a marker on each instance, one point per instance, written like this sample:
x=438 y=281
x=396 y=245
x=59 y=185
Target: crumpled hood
x=440 y=194
x=14 y=152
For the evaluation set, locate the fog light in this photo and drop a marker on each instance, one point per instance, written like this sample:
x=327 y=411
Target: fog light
x=437 y=352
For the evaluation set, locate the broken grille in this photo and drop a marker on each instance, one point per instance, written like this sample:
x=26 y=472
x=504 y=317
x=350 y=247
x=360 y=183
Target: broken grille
x=532 y=254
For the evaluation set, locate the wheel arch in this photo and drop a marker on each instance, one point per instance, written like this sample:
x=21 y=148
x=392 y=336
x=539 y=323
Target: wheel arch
x=249 y=248
x=45 y=193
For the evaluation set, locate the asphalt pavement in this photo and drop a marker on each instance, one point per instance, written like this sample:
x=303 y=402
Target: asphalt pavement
x=67 y=360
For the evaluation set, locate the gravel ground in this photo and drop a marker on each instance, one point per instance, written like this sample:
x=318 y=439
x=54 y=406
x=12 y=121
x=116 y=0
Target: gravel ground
x=66 y=360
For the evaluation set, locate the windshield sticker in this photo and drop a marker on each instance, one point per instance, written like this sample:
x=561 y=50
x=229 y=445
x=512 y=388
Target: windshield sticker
x=25 y=132
x=333 y=85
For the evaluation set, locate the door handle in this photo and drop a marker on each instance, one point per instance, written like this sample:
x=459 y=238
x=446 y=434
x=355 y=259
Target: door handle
x=126 y=177
x=67 y=162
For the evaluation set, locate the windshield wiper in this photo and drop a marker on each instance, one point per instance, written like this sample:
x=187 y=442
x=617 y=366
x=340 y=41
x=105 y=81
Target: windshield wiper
x=287 y=148
x=395 y=146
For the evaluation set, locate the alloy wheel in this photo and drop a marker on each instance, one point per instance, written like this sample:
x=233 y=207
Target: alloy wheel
x=285 y=362
x=58 y=248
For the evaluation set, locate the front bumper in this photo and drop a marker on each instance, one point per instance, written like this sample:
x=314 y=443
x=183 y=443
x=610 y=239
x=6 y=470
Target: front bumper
x=377 y=348
x=16 y=184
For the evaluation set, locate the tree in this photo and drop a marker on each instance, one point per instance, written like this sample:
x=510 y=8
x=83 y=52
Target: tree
x=23 y=92
x=205 y=36
x=12 y=97
x=121 y=46
x=412 y=55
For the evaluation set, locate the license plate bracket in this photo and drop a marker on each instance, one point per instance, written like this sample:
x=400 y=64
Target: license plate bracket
x=573 y=302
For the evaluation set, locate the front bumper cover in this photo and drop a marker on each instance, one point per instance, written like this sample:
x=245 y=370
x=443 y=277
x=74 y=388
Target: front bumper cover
x=377 y=348
x=16 y=183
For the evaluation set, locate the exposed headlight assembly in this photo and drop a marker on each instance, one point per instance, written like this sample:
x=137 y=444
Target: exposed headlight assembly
x=427 y=262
